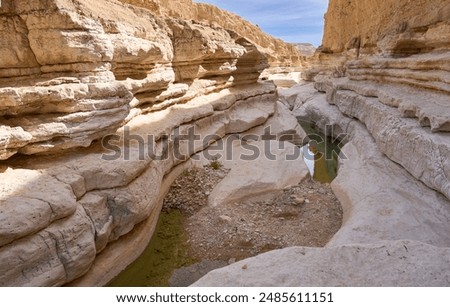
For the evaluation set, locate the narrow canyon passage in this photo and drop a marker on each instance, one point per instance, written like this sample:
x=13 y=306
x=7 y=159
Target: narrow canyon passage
x=193 y=238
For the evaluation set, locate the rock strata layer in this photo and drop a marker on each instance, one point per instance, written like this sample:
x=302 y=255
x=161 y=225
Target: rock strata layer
x=59 y=92
x=278 y=52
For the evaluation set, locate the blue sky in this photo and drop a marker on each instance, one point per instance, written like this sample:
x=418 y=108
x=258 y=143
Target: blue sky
x=295 y=21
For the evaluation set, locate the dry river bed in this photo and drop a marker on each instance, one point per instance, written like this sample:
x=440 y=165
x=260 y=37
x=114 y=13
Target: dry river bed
x=307 y=214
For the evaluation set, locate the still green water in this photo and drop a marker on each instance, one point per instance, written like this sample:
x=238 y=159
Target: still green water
x=326 y=153
x=166 y=252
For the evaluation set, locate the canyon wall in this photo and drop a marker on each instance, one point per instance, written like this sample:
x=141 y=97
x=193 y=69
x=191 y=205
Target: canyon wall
x=389 y=28
x=278 y=52
x=396 y=79
x=392 y=27
x=72 y=72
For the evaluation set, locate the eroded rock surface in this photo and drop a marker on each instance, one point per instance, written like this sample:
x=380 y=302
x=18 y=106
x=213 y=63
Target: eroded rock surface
x=391 y=264
x=58 y=92
x=279 y=53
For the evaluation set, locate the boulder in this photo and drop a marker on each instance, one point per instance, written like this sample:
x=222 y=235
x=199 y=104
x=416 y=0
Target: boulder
x=257 y=168
x=283 y=125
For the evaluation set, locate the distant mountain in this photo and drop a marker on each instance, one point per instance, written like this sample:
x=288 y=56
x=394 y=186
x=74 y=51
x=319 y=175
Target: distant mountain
x=305 y=49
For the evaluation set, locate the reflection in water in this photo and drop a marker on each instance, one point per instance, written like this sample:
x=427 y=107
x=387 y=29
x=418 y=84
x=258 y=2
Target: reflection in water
x=308 y=157
x=320 y=155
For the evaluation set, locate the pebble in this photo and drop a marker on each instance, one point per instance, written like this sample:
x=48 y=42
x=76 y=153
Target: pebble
x=234 y=228
x=225 y=218
x=299 y=200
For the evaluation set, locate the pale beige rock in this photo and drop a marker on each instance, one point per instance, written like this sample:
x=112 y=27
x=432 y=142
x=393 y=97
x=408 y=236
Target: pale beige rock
x=249 y=113
x=365 y=23
x=257 y=168
x=54 y=256
x=11 y=139
x=297 y=95
x=286 y=80
x=392 y=263
x=150 y=56
x=305 y=49
x=402 y=140
x=132 y=204
x=73 y=179
x=98 y=211
x=105 y=171
x=279 y=53
x=73 y=72
x=120 y=253
x=381 y=200
x=394 y=108
x=16 y=53
x=119 y=194
x=431 y=108
x=226 y=98
x=283 y=125
x=30 y=201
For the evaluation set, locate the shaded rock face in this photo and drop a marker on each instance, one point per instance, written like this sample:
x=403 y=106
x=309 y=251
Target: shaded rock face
x=73 y=72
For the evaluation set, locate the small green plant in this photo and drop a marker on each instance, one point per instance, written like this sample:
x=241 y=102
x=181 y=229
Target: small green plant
x=187 y=173
x=215 y=165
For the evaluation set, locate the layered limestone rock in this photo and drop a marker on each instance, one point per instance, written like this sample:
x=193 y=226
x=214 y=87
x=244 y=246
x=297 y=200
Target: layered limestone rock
x=73 y=72
x=116 y=187
x=411 y=27
x=278 y=52
x=229 y=150
x=355 y=29
x=403 y=139
x=397 y=81
x=99 y=103
x=380 y=199
x=273 y=165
